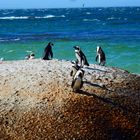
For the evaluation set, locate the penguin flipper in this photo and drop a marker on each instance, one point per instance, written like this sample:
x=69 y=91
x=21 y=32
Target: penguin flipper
x=86 y=63
x=71 y=73
x=85 y=60
x=81 y=84
x=96 y=58
x=72 y=84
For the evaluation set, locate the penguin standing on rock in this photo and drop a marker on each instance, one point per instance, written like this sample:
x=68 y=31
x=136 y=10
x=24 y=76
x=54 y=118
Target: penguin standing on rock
x=81 y=58
x=77 y=82
x=100 y=56
x=77 y=73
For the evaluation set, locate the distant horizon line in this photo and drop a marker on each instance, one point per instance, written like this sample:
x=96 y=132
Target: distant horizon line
x=74 y=7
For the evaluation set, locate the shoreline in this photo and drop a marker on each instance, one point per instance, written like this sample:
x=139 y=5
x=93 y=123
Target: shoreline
x=91 y=64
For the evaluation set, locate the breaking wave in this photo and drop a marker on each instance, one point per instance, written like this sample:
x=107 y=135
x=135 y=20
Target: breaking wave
x=31 y=17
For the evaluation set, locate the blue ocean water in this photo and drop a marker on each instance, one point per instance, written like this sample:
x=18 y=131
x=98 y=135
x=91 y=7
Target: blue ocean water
x=116 y=30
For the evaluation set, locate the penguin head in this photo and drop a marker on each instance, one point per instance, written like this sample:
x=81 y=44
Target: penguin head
x=75 y=63
x=51 y=44
x=77 y=48
x=32 y=54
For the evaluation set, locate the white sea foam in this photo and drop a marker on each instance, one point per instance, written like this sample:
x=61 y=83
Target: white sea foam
x=88 y=13
x=2 y=40
x=51 y=16
x=29 y=51
x=62 y=15
x=26 y=17
x=13 y=17
x=48 y=16
x=5 y=13
x=91 y=20
x=5 y=40
x=16 y=39
x=10 y=51
x=100 y=9
x=110 y=18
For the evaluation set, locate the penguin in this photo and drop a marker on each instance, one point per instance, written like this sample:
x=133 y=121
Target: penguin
x=81 y=58
x=75 y=68
x=31 y=56
x=77 y=82
x=100 y=56
x=48 y=54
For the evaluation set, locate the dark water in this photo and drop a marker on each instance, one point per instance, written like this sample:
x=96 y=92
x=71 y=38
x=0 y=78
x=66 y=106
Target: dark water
x=116 y=30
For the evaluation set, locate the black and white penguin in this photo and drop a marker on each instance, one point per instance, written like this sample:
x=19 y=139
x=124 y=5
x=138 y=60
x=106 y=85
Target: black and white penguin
x=100 y=56
x=80 y=56
x=30 y=56
x=77 y=82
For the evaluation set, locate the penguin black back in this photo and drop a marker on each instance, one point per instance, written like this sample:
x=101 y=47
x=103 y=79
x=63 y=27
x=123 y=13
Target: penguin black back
x=48 y=52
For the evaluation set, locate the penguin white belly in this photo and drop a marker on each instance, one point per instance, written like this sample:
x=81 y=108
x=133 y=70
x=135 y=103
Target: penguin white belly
x=77 y=84
x=99 y=58
x=78 y=57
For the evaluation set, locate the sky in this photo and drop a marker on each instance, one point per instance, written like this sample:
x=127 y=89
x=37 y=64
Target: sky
x=65 y=3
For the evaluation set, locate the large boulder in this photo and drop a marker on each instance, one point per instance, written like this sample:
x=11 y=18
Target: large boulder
x=37 y=102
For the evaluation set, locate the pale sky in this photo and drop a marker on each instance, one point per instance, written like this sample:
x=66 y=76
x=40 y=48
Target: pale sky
x=65 y=3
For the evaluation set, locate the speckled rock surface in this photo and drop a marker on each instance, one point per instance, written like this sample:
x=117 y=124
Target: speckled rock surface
x=37 y=102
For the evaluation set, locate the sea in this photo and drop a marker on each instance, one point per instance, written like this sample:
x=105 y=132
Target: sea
x=116 y=30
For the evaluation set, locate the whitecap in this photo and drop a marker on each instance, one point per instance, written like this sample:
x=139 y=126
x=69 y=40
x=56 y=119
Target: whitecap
x=5 y=13
x=100 y=9
x=29 y=51
x=91 y=20
x=13 y=17
x=50 y=16
x=63 y=16
x=16 y=39
x=2 y=40
x=88 y=13
x=5 y=40
x=110 y=18
x=10 y=51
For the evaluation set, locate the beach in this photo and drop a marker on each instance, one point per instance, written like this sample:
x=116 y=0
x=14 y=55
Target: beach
x=37 y=102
